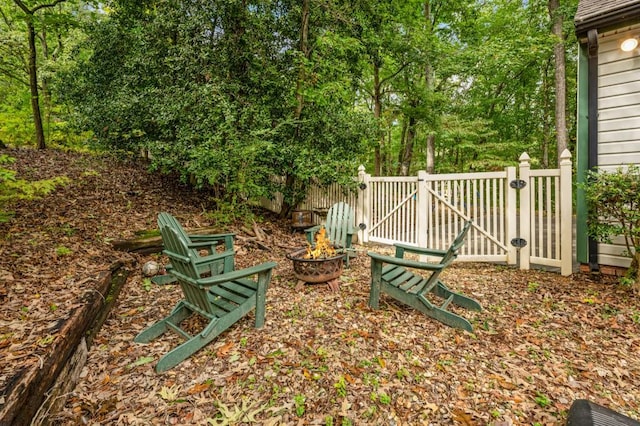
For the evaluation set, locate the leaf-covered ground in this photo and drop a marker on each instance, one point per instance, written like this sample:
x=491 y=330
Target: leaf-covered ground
x=323 y=357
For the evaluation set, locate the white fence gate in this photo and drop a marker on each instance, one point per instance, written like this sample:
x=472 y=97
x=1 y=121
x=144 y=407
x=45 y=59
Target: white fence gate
x=517 y=212
x=430 y=210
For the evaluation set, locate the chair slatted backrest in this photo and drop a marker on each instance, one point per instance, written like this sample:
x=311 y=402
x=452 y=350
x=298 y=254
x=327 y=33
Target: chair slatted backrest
x=340 y=222
x=185 y=269
x=456 y=245
x=166 y=219
x=215 y=240
x=452 y=252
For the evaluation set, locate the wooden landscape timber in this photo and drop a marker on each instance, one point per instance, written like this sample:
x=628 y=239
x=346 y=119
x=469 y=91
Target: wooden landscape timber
x=40 y=387
x=148 y=245
x=152 y=244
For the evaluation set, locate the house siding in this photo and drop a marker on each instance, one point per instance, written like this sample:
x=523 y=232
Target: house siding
x=618 y=117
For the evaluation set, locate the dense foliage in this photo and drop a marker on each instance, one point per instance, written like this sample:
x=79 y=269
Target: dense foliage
x=232 y=93
x=614 y=210
x=208 y=89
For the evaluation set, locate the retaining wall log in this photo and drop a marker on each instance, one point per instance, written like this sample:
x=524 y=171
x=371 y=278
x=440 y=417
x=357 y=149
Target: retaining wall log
x=26 y=391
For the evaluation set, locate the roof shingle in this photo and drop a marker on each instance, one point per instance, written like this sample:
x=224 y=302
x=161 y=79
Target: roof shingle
x=593 y=13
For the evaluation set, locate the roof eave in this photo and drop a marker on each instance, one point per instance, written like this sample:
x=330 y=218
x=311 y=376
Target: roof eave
x=609 y=20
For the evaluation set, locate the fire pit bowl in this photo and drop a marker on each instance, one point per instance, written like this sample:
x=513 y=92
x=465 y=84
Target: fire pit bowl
x=316 y=270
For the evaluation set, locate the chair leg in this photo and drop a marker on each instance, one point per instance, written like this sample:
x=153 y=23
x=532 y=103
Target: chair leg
x=188 y=348
x=179 y=314
x=458 y=299
x=376 y=278
x=445 y=317
x=261 y=298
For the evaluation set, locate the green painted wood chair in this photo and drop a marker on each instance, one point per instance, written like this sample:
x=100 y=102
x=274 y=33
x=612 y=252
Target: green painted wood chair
x=209 y=243
x=340 y=229
x=222 y=299
x=418 y=283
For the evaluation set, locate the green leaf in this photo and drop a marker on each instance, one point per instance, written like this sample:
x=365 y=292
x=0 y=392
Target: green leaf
x=141 y=361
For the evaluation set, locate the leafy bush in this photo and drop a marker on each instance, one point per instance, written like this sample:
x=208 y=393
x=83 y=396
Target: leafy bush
x=613 y=199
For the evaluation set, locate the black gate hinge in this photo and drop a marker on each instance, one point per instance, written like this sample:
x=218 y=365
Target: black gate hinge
x=518 y=242
x=517 y=184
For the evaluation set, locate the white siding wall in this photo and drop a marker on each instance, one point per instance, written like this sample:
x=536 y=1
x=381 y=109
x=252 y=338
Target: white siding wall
x=618 y=116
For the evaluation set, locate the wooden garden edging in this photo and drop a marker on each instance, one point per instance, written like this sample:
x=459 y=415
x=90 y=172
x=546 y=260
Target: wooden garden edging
x=40 y=387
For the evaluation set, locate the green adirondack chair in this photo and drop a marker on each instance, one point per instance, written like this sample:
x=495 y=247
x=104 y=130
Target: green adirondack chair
x=412 y=282
x=340 y=229
x=222 y=299
x=210 y=243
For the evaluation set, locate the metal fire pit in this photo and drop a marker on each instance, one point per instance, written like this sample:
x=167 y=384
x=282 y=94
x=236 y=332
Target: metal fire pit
x=316 y=270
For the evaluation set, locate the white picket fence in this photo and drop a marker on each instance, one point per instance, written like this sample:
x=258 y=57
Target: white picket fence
x=519 y=215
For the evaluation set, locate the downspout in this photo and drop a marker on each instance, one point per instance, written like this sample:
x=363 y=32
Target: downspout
x=592 y=40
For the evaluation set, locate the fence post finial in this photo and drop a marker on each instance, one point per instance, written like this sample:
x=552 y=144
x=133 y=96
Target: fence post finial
x=566 y=213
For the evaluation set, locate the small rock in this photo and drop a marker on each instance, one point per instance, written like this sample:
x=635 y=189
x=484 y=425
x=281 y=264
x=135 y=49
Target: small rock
x=150 y=268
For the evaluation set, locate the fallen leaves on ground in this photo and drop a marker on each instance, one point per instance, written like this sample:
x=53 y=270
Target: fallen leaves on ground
x=323 y=356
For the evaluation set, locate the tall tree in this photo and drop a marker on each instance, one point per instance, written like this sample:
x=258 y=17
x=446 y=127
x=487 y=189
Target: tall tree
x=428 y=79
x=29 y=16
x=557 y=18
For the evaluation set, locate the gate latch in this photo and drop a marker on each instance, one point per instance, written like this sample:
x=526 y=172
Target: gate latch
x=517 y=184
x=518 y=242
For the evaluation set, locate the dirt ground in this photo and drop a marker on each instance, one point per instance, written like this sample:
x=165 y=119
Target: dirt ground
x=323 y=357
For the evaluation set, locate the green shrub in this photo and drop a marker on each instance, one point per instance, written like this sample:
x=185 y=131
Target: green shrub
x=613 y=199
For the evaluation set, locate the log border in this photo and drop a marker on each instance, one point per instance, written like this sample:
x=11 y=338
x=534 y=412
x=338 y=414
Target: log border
x=26 y=395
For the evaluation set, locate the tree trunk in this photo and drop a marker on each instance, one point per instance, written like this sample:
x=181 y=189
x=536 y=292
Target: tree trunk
x=546 y=125
x=431 y=153
x=33 y=85
x=407 y=153
x=403 y=138
x=286 y=207
x=46 y=94
x=33 y=70
x=633 y=273
x=560 y=76
x=377 y=113
x=306 y=52
x=428 y=78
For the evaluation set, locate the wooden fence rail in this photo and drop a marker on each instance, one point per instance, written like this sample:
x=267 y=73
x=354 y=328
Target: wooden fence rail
x=519 y=215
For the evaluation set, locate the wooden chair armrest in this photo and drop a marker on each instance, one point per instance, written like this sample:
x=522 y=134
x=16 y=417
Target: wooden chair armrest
x=211 y=237
x=405 y=262
x=349 y=241
x=203 y=260
x=234 y=275
x=310 y=232
x=209 y=241
x=419 y=250
x=203 y=244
